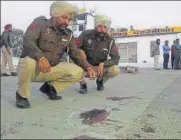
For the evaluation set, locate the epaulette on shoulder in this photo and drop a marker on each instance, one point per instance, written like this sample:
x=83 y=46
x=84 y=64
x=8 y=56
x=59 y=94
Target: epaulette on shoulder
x=88 y=31
x=42 y=17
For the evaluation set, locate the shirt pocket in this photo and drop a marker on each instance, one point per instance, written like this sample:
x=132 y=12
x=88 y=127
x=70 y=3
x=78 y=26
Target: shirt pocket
x=89 y=50
x=47 y=43
x=102 y=53
x=63 y=44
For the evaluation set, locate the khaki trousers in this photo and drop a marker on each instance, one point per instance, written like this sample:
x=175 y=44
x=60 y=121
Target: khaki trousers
x=61 y=76
x=6 y=59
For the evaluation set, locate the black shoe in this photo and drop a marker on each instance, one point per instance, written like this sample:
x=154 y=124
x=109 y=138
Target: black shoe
x=100 y=86
x=50 y=91
x=22 y=102
x=13 y=74
x=44 y=88
x=4 y=74
x=83 y=89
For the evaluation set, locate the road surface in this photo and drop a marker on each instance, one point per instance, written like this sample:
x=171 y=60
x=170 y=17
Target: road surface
x=144 y=105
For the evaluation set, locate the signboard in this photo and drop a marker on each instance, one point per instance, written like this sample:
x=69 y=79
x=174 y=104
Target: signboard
x=147 y=32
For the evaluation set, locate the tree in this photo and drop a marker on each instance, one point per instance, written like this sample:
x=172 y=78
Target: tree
x=123 y=29
x=116 y=30
x=92 y=9
x=17 y=42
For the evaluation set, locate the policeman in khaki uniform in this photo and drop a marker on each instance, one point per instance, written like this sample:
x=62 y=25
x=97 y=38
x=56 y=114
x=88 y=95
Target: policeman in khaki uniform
x=99 y=50
x=45 y=41
x=6 y=53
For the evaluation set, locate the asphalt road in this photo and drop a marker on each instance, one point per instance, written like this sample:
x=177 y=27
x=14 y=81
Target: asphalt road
x=144 y=105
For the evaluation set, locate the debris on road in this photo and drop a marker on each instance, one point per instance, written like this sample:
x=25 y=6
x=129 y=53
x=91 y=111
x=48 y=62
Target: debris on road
x=131 y=69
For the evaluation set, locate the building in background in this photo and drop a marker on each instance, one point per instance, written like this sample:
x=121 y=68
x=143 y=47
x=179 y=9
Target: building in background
x=134 y=45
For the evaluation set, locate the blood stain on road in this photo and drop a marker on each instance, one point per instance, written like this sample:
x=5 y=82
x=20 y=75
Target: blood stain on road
x=94 y=116
x=150 y=115
x=115 y=98
x=84 y=137
x=148 y=130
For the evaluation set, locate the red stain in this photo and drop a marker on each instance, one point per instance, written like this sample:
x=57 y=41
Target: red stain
x=115 y=98
x=78 y=42
x=84 y=137
x=94 y=116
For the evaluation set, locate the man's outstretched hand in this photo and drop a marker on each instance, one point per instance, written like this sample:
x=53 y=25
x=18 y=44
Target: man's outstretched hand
x=91 y=73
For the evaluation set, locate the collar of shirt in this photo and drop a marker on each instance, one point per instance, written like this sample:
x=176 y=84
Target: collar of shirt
x=167 y=46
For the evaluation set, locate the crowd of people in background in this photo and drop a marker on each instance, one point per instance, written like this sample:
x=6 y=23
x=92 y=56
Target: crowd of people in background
x=174 y=50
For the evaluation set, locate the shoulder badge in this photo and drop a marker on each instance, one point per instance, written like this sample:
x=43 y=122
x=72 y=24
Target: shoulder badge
x=89 y=41
x=33 y=27
x=48 y=30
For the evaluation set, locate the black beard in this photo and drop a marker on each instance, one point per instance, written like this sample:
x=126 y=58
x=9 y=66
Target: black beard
x=101 y=34
x=62 y=27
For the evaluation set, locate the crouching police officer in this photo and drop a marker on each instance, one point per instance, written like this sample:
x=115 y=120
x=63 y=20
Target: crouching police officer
x=45 y=41
x=99 y=50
